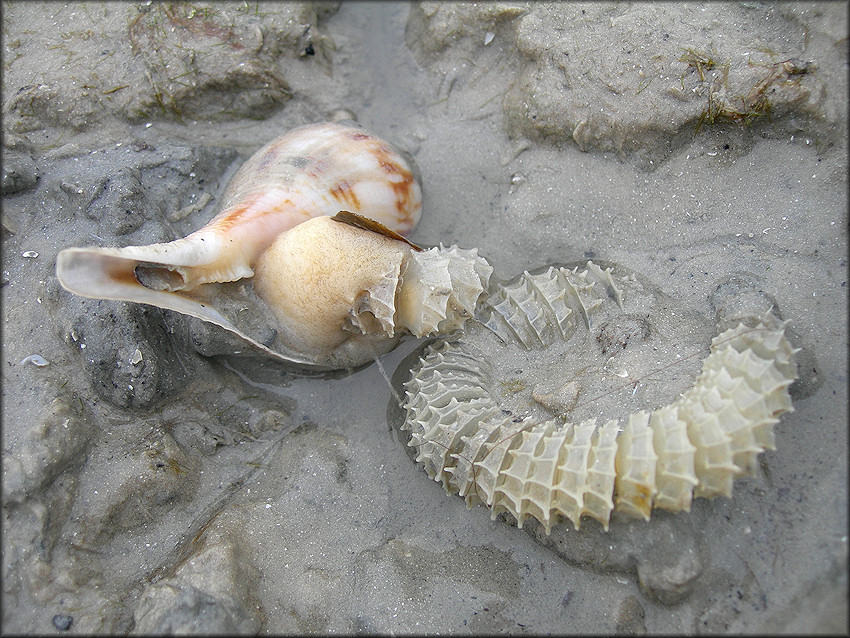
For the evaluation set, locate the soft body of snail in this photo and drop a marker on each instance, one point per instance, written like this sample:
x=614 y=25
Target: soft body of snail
x=273 y=240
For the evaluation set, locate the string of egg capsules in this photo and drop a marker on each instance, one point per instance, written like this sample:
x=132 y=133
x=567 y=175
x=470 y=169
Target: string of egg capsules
x=764 y=399
x=510 y=437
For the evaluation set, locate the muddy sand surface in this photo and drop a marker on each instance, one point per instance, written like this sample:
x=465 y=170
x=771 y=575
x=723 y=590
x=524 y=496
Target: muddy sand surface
x=150 y=487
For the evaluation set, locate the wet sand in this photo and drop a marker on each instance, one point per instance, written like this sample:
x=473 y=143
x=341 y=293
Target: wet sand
x=694 y=145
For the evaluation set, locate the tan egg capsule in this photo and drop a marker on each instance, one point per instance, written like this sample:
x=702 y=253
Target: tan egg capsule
x=308 y=174
x=343 y=294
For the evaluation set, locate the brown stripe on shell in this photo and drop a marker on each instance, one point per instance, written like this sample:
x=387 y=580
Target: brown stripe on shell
x=246 y=208
x=401 y=188
x=384 y=155
x=343 y=193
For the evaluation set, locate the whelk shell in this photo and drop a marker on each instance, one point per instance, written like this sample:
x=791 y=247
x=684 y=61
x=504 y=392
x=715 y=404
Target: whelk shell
x=495 y=438
x=319 y=293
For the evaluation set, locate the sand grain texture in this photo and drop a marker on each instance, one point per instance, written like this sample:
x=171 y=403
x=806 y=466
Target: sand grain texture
x=147 y=487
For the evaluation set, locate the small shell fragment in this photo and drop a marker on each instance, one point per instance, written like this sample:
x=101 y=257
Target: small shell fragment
x=35 y=359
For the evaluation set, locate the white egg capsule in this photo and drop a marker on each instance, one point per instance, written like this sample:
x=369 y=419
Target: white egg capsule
x=476 y=429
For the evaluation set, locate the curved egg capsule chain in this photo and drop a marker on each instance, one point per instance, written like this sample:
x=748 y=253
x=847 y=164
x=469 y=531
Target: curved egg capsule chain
x=548 y=469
